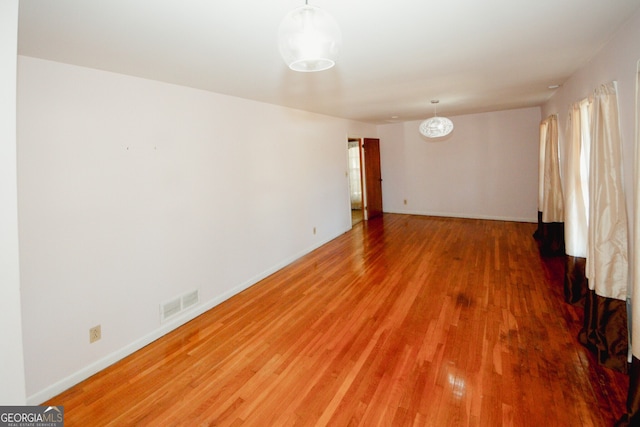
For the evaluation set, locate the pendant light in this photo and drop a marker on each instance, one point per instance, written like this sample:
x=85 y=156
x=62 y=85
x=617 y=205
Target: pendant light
x=436 y=127
x=309 y=39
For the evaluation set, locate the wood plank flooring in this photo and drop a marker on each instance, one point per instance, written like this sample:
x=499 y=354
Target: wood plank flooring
x=405 y=320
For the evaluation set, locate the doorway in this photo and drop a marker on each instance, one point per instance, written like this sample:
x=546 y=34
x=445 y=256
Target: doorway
x=365 y=182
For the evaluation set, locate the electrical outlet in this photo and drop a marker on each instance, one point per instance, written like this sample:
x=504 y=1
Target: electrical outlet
x=314 y=230
x=405 y=201
x=95 y=334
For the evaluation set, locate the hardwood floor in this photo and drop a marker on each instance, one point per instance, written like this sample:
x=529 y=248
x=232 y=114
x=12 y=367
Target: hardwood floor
x=405 y=320
x=357 y=215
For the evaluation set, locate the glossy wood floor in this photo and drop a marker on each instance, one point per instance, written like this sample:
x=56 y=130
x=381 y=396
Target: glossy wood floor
x=404 y=320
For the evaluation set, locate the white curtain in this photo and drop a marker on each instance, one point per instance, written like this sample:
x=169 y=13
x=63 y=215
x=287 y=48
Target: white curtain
x=541 y=163
x=577 y=181
x=633 y=398
x=552 y=200
x=607 y=253
x=635 y=291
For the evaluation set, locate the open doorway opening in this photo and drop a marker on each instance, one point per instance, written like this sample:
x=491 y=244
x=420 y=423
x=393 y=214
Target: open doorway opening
x=355 y=180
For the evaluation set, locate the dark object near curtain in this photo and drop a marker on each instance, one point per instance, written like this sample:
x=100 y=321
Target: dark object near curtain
x=632 y=417
x=575 y=282
x=550 y=237
x=605 y=330
x=538 y=233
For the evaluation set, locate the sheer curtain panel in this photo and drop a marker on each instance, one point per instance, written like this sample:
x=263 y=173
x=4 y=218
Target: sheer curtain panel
x=577 y=203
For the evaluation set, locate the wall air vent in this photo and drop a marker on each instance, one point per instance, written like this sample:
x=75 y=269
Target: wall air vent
x=175 y=306
x=170 y=308
x=192 y=298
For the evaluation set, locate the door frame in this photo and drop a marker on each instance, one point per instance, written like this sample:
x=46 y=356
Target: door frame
x=361 y=173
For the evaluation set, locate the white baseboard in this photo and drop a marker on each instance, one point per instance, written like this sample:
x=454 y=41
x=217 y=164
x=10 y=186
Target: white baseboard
x=468 y=216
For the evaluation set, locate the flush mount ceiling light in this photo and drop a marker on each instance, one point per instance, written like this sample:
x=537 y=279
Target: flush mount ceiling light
x=309 y=39
x=436 y=127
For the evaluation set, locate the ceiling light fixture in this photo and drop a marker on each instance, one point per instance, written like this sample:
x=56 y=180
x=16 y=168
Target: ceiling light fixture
x=436 y=127
x=309 y=39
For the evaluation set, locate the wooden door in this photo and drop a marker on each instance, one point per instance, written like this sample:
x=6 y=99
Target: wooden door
x=373 y=178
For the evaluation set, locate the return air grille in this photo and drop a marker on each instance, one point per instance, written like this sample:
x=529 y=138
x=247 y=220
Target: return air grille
x=175 y=306
x=190 y=299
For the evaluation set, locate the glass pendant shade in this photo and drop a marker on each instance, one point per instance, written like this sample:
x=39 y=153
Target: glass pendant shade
x=436 y=127
x=309 y=39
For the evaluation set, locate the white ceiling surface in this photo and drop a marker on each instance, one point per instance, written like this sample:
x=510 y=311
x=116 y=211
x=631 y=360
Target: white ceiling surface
x=473 y=56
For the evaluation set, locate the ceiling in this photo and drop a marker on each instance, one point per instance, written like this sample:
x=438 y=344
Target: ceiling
x=474 y=56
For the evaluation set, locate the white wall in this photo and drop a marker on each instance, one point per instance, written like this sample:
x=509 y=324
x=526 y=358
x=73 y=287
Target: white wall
x=12 y=381
x=486 y=168
x=617 y=61
x=133 y=192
